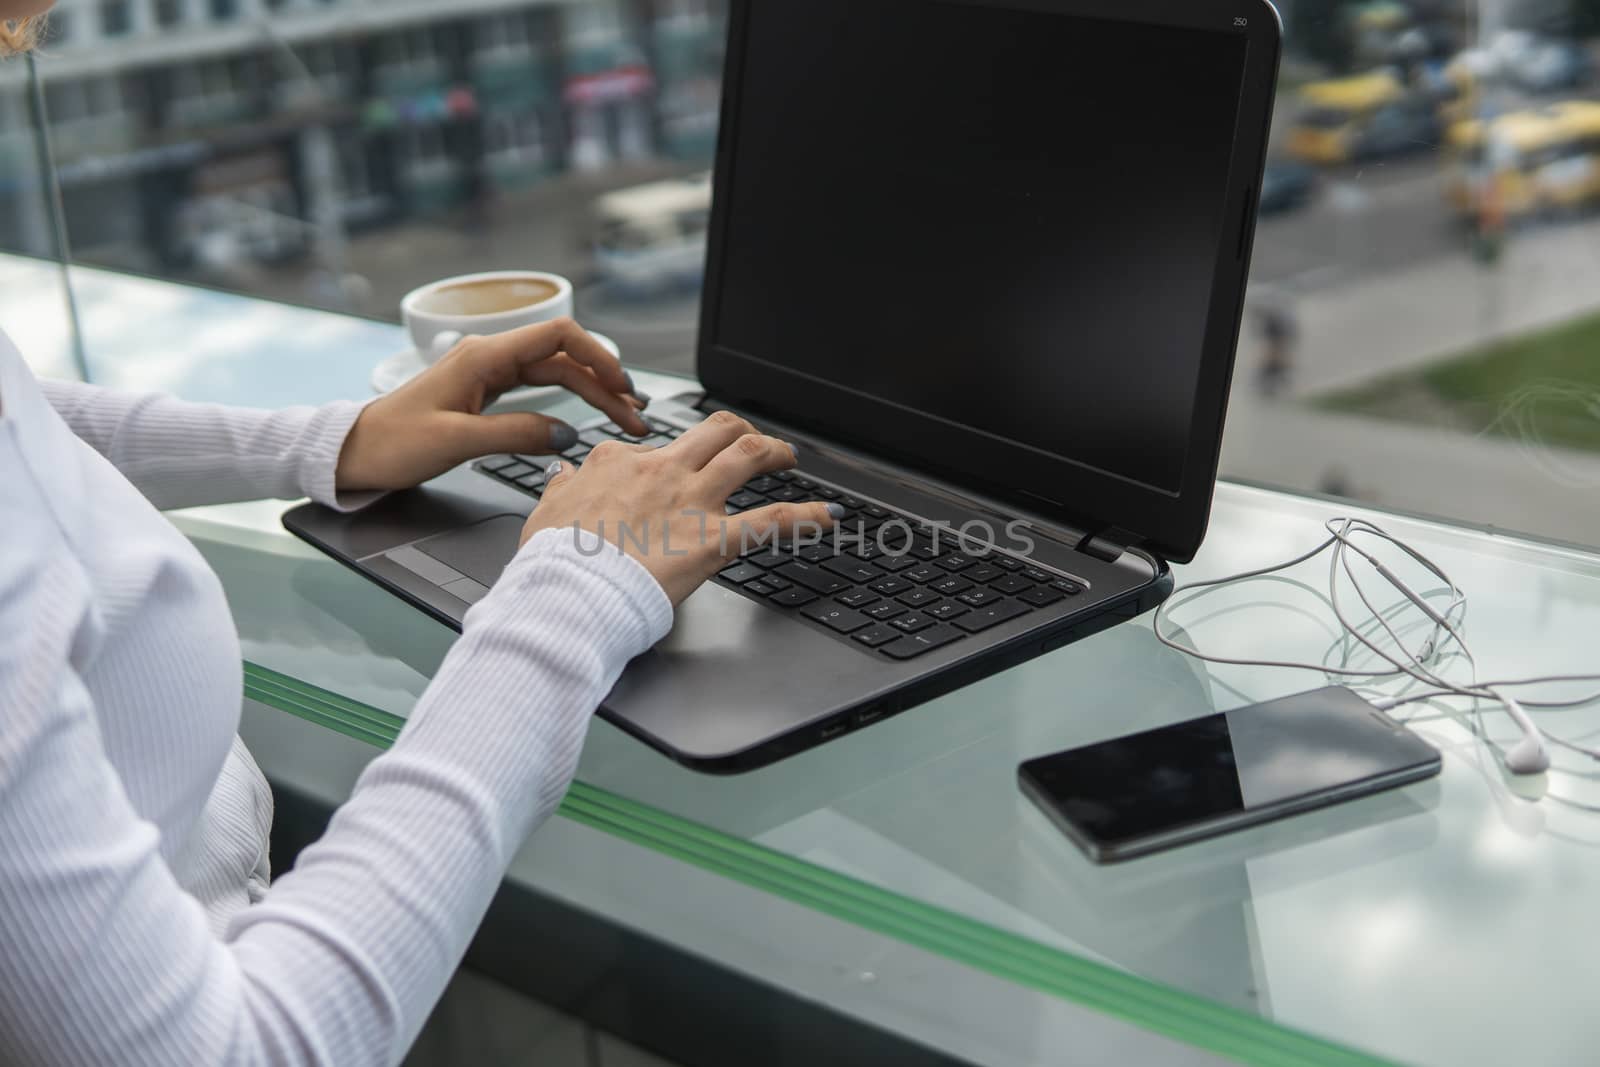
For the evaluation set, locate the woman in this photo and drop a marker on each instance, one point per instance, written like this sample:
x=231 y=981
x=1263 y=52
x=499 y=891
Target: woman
x=137 y=924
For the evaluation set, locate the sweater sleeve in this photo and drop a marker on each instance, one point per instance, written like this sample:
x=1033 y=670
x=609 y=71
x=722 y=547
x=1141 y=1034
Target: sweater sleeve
x=107 y=960
x=181 y=454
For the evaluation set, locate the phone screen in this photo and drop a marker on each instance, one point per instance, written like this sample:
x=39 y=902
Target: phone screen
x=1235 y=768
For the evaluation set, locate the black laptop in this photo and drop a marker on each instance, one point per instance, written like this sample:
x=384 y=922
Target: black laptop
x=983 y=261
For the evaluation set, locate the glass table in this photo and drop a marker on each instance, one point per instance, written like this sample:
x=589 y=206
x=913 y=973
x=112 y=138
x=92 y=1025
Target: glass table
x=1442 y=923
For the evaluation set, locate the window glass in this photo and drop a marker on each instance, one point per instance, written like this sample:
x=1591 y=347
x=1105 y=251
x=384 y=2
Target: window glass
x=1422 y=327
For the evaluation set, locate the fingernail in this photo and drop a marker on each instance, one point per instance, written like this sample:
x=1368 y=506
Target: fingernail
x=552 y=470
x=836 y=510
x=629 y=379
x=643 y=398
x=796 y=452
x=562 y=437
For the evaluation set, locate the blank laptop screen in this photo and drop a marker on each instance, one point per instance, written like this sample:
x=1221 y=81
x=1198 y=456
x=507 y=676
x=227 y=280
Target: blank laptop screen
x=1007 y=219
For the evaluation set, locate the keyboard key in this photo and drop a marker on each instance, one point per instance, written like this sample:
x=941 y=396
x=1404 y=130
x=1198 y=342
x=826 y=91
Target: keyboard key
x=993 y=615
x=529 y=481
x=978 y=597
x=1036 y=574
x=776 y=582
x=896 y=563
x=656 y=440
x=764 y=484
x=852 y=502
x=745 y=499
x=759 y=588
x=1042 y=595
x=857 y=598
x=494 y=463
x=792 y=597
x=875 y=635
x=804 y=483
x=740 y=573
x=925 y=550
x=924 y=573
x=917 y=598
x=917 y=644
x=950 y=585
x=853 y=569
x=594 y=437
x=891 y=586
x=575 y=454
x=816 y=552
x=874 y=511
x=954 y=561
x=983 y=572
x=767 y=558
x=825 y=493
x=911 y=622
x=783 y=476
x=866 y=548
x=944 y=610
x=835 y=617
x=787 y=493
x=513 y=472
x=1011 y=583
x=888 y=609
x=1005 y=563
x=1069 y=588
x=813 y=577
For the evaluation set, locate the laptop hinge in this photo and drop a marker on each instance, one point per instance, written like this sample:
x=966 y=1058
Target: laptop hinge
x=1108 y=544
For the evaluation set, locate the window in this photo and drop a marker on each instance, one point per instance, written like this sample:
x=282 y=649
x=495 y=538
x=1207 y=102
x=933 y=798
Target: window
x=115 y=17
x=1421 y=287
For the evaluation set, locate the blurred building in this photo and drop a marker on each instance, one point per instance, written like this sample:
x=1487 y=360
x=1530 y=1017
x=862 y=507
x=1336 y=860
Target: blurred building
x=204 y=130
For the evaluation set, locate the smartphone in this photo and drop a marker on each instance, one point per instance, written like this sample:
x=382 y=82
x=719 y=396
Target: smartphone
x=1165 y=787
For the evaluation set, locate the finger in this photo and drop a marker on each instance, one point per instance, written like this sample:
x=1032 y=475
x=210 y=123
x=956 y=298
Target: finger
x=776 y=522
x=701 y=443
x=514 y=431
x=542 y=340
x=746 y=457
x=562 y=370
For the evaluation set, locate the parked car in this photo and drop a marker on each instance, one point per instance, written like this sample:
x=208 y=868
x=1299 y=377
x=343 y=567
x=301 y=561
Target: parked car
x=1285 y=186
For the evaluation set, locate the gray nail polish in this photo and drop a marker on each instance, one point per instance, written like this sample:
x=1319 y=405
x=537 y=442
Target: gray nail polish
x=796 y=452
x=629 y=379
x=562 y=437
x=643 y=398
x=552 y=470
x=836 y=509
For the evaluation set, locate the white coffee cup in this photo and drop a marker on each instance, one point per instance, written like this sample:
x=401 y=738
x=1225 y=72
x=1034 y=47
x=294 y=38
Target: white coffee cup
x=440 y=313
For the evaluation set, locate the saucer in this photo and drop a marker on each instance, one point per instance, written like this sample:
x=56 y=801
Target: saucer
x=401 y=367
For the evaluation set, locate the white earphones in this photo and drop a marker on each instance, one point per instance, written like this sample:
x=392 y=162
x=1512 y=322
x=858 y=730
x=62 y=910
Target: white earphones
x=1528 y=756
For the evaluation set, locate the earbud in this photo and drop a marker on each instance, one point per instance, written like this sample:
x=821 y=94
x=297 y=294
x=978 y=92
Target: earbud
x=1529 y=755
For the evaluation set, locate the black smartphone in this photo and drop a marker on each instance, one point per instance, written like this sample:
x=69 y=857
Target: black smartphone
x=1164 y=787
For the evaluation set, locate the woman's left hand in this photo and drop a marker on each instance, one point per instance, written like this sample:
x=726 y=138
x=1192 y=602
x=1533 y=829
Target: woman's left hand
x=435 y=421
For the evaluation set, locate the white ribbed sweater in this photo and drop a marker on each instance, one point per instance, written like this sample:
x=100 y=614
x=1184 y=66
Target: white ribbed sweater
x=136 y=925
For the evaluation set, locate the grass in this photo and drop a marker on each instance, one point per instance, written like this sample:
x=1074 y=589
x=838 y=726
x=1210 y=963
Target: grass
x=1542 y=386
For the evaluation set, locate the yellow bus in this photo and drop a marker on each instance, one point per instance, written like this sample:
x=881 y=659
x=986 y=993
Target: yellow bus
x=1540 y=161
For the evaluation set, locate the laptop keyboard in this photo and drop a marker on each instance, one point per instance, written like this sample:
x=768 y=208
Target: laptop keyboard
x=888 y=583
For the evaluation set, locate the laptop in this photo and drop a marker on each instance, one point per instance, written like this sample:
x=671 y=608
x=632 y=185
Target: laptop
x=983 y=262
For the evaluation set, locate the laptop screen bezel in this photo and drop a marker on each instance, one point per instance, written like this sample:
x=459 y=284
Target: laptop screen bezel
x=1168 y=523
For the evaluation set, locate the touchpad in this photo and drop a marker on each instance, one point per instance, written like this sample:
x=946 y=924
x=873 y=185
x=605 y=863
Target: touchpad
x=480 y=551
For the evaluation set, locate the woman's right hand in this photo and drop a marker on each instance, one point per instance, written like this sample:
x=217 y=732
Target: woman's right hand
x=664 y=506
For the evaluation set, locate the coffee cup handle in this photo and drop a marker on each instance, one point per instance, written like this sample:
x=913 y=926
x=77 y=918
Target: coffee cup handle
x=443 y=341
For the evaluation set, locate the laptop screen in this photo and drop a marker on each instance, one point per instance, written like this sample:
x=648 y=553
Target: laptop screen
x=1005 y=219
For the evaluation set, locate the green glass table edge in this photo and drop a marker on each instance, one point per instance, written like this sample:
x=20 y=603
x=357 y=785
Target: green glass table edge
x=1182 y=1016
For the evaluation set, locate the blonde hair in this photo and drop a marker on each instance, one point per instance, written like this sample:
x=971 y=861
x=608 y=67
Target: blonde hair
x=19 y=35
